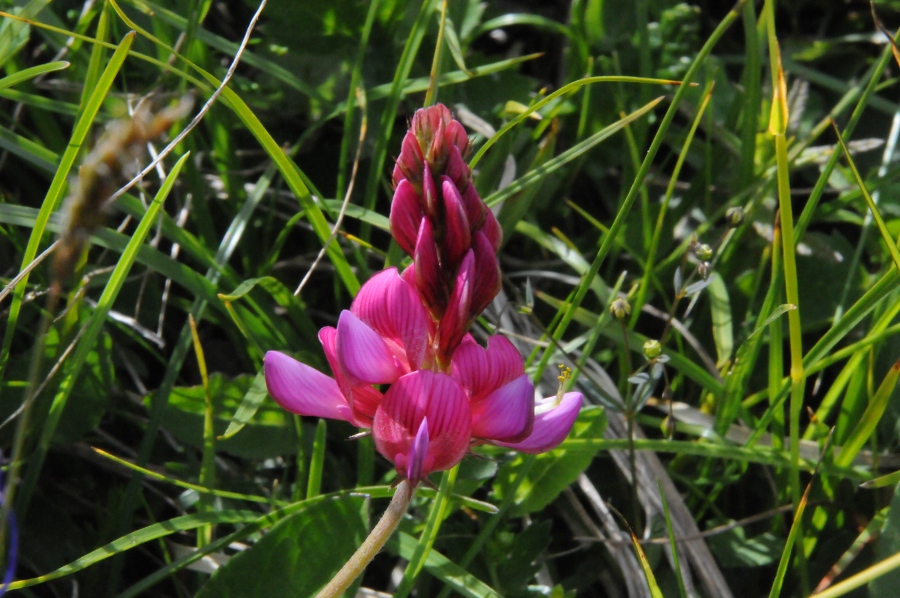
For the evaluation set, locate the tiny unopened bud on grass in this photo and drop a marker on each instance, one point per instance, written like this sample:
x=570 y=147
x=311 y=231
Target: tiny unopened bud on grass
x=620 y=308
x=652 y=349
x=734 y=217
x=704 y=269
x=703 y=252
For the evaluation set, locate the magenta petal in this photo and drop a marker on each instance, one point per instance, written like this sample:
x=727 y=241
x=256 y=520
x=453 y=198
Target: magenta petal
x=407 y=403
x=482 y=371
x=417 y=461
x=363 y=399
x=507 y=413
x=304 y=390
x=475 y=208
x=429 y=193
x=455 y=134
x=406 y=214
x=409 y=164
x=457 y=237
x=456 y=168
x=390 y=306
x=550 y=427
x=364 y=356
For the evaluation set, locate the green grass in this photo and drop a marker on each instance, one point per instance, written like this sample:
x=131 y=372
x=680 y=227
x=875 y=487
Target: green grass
x=608 y=140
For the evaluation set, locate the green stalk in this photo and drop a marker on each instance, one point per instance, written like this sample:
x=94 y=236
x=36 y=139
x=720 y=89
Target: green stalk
x=208 y=463
x=432 y=93
x=777 y=128
x=376 y=540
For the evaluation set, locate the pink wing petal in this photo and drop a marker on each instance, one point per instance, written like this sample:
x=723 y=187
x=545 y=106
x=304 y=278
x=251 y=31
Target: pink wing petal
x=364 y=356
x=507 y=413
x=482 y=371
x=390 y=306
x=304 y=390
x=364 y=399
x=407 y=403
x=550 y=427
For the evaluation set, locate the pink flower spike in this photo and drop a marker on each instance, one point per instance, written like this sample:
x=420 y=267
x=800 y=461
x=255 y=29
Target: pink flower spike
x=364 y=356
x=418 y=453
x=303 y=390
x=398 y=421
x=507 y=413
x=391 y=307
x=457 y=237
x=552 y=423
x=406 y=214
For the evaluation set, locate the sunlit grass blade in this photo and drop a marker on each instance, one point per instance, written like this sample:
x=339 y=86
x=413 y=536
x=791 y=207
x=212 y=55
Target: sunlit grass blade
x=866 y=425
x=32 y=72
x=655 y=592
x=876 y=215
x=567 y=156
x=137 y=538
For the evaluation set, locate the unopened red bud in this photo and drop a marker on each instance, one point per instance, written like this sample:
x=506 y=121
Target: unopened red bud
x=487 y=274
x=457 y=237
x=492 y=229
x=428 y=271
x=406 y=216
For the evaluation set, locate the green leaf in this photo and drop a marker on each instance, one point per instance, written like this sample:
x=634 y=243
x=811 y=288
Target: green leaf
x=298 y=556
x=723 y=331
x=553 y=471
x=268 y=432
x=252 y=400
x=734 y=549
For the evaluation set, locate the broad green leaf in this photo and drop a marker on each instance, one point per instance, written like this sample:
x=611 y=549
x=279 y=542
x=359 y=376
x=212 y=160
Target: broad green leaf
x=269 y=432
x=723 y=331
x=252 y=400
x=552 y=472
x=298 y=556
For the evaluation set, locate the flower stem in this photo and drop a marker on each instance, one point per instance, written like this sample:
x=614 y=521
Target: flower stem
x=376 y=540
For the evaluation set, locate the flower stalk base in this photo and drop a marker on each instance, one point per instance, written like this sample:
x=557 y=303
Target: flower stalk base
x=373 y=544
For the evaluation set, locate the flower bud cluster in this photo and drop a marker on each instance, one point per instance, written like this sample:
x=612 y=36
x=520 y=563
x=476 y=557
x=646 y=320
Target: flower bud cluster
x=438 y=218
